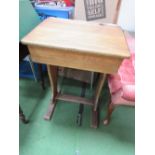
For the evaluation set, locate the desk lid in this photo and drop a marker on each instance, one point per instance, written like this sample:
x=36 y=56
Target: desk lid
x=79 y=36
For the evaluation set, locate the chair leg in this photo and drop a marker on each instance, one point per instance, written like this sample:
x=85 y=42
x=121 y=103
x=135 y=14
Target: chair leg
x=109 y=113
x=22 y=116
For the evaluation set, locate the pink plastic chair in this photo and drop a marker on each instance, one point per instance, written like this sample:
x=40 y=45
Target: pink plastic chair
x=122 y=84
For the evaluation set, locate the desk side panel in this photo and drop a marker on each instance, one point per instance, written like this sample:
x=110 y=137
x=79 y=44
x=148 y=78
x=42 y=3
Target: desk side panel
x=63 y=58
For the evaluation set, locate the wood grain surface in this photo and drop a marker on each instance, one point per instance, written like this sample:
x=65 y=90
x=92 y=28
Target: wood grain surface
x=79 y=36
x=83 y=61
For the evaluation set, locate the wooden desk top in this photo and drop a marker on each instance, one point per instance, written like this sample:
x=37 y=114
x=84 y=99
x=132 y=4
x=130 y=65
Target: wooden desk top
x=79 y=36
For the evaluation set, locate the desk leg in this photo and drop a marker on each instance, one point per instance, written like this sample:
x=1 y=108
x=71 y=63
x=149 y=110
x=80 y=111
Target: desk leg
x=52 y=73
x=95 y=110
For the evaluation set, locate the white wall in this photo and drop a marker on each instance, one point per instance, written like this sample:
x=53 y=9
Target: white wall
x=127 y=15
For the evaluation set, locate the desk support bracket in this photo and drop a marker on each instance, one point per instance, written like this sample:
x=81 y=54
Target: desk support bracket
x=52 y=72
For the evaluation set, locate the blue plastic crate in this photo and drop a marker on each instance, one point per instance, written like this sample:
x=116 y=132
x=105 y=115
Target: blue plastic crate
x=60 y=12
x=25 y=70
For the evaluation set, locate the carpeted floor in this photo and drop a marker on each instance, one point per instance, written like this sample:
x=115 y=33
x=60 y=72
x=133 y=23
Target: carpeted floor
x=61 y=135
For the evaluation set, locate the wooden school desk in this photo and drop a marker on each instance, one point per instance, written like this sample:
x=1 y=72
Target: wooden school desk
x=80 y=45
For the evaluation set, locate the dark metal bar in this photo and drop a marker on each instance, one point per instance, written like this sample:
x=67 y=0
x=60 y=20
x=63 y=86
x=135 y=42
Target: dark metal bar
x=81 y=106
